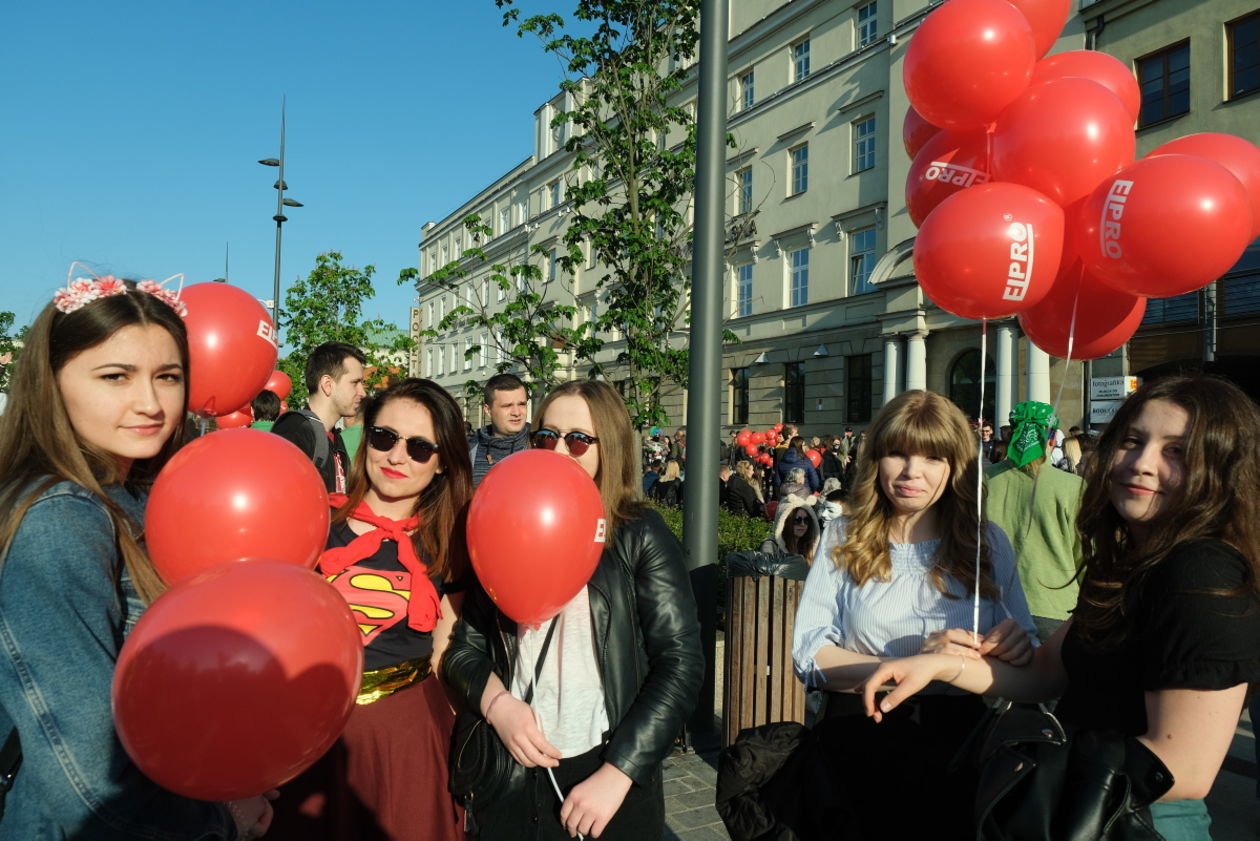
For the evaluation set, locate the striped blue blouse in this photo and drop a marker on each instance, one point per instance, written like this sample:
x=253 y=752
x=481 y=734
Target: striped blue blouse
x=891 y=618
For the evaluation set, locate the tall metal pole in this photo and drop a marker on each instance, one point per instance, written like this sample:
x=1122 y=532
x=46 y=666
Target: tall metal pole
x=705 y=373
x=279 y=217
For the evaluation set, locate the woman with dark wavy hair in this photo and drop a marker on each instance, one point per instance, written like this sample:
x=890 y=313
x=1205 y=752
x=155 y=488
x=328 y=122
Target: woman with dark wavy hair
x=396 y=553
x=896 y=576
x=1165 y=638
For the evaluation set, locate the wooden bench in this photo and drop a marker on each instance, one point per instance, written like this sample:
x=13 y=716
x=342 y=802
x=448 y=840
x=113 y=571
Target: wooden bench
x=759 y=685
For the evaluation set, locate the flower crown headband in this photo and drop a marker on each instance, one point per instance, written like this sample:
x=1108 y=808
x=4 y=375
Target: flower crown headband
x=81 y=291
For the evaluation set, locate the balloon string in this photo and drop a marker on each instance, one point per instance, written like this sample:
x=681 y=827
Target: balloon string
x=975 y=606
x=1067 y=362
x=551 y=774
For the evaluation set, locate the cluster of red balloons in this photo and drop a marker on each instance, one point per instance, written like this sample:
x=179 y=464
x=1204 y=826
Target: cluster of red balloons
x=231 y=345
x=752 y=443
x=279 y=384
x=536 y=529
x=244 y=672
x=1025 y=190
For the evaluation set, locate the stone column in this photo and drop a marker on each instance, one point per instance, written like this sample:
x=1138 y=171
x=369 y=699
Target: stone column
x=892 y=366
x=916 y=361
x=1005 y=357
x=1038 y=373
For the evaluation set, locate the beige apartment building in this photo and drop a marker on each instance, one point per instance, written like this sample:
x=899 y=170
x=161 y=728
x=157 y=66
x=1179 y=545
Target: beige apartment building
x=820 y=289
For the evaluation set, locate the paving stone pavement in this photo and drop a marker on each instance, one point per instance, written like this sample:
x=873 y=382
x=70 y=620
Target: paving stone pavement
x=690 y=779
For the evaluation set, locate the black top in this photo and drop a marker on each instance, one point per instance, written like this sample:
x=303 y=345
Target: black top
x=298 y=430
x=668 y=493
x=378 y=590
x=1181 y=637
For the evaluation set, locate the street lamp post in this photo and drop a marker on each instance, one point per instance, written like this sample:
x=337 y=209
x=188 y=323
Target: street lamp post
x=281 y=204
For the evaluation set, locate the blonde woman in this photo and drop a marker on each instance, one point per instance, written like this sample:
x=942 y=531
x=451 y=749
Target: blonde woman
x=668 y=490
x=742 y=494
x=895 y=577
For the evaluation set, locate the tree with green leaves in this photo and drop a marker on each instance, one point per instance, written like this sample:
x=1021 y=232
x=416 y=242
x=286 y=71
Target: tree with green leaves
x=9 y=347
x=533 y=331
x=632 y=178
x=327 y=306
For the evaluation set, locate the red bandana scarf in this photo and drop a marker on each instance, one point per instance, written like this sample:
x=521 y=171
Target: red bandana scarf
x=424 y=607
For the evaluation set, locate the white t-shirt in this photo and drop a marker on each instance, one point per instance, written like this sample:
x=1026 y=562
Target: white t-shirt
x=568 y=701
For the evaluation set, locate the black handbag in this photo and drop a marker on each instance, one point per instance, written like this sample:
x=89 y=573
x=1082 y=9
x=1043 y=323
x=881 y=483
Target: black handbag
x=1041 y=781
x=482 y=770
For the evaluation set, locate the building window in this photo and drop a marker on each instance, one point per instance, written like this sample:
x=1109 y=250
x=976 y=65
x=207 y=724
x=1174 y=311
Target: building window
x=1165 y=82
x=800 y=169
x=800 y=60
x=799 y=262
x=857 y=388
x=861 y=260
x=744 y=198
x=794 y=392
x=867 y=25
x=468 y=354
x=485 y=350
x=863 y=143
x=964 y=384
x=739 y=396
x=505 y=220
x=747 y=93
x=743 y=290
x=1171 y=310
x=1242 y=42
x=432 y=323
x=499 y=353
x=553 y=194
x=428 y=362
x=552 y=265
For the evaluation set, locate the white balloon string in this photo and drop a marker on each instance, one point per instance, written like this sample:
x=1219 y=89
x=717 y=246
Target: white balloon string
x=975 y=605
x=559 y=796
x=1067 y=363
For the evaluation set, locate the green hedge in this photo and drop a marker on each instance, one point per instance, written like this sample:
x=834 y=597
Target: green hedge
x=735 y=533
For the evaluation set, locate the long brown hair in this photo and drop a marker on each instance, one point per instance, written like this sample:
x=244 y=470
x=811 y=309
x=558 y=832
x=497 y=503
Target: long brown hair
x=1219 y=498
x=617 y=478
x=38 y=444
x=918 y=422
x=442 y=505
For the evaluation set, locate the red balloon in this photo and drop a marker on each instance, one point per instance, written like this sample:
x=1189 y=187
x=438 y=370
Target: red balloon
x=236 y=681
x=231 y=345
x=916 y=131
x=216 y=500
x=284 y=406
x=758 y=438
x=1164 y=226
x=1241 y=157
x=949 y=162
x=752 y=449
x=279 y=384
x=990 y=251
x=743 y=438
x=1107 y=70
x=968 y=60
x=1062 y=137
x=536 y=528
x=1046 y=18
x=778 y=427
x=237 y=419
x=814 y=458
x=1096 y=317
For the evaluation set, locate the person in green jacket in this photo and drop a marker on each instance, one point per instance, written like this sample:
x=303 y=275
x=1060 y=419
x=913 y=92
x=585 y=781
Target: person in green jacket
x=1036 y=505
x=265 y=408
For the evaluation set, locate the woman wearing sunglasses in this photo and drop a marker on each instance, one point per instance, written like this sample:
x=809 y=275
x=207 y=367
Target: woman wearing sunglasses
x=622 y=671
x=395 y=551
x=893 y=578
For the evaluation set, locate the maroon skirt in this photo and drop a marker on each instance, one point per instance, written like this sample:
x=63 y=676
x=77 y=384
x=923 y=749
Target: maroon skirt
x=385 y=779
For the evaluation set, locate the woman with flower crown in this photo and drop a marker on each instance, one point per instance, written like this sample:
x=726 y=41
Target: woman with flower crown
x=95 y=409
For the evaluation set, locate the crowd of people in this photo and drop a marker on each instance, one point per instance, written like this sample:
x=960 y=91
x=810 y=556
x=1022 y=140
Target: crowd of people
x=1121 y=577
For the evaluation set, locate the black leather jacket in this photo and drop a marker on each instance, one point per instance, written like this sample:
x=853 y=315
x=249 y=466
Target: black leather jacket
x=647 y=644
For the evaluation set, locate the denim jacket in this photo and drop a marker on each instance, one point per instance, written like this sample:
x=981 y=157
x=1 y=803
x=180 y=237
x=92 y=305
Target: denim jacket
x=66 y=603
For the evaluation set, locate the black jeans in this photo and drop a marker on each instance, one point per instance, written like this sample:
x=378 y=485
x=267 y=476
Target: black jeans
x=535 y=813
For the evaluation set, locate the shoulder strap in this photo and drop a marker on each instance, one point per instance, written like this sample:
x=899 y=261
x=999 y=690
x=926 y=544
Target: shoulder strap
x=322 y=448
x=542 y=658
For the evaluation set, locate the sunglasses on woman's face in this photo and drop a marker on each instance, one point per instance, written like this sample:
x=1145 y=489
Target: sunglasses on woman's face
x=577 y=442
x=418 y=449
x=800 y=521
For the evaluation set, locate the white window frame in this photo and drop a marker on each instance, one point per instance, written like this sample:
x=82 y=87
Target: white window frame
x=798 y=277
x=799 y=157
x=744 y=190
x=866 y=23
x=800 y=60
x=743 y=290
x=747 y=89
x=865 y=136
x=862 y=257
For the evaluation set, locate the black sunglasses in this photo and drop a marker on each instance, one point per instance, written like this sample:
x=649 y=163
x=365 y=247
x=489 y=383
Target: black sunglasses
x=577 y=442
x=380 y=438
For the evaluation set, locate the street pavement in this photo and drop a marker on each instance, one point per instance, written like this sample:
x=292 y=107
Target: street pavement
x=690 y=780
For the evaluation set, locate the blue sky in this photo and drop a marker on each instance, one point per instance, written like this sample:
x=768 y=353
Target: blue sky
x=132 y=130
